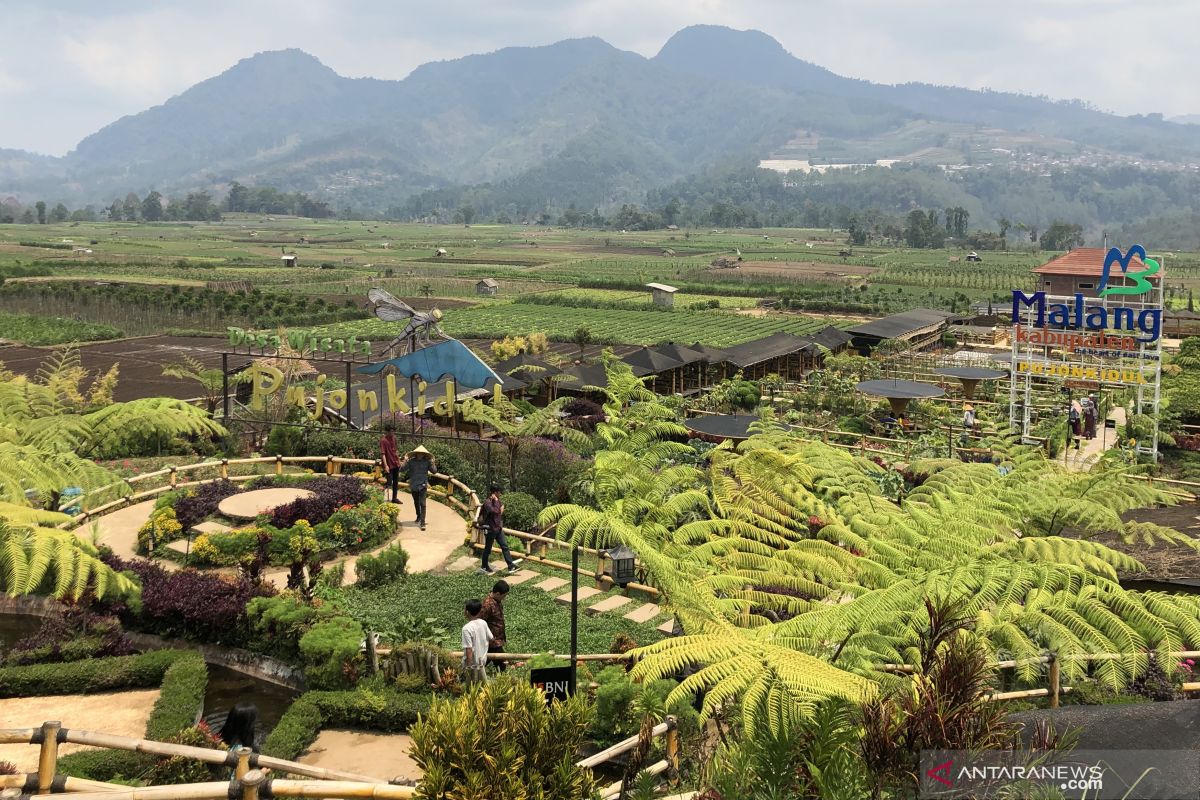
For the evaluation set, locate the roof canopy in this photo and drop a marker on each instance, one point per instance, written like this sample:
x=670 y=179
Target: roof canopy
x=903 y=324
x=1088 y=262
x=448 y=359
x=650 y=362
x=661 y=287
x=776 y=345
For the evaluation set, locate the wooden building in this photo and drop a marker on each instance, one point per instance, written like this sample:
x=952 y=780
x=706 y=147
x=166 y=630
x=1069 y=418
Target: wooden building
x=1080 y=270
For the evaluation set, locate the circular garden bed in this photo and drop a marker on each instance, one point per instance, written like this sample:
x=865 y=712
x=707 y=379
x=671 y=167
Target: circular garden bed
x=303 y=518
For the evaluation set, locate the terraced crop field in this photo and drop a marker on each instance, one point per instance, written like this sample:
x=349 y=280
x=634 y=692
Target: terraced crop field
x=496 y=320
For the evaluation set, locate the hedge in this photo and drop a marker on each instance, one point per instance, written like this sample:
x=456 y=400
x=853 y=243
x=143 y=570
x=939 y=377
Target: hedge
x=180 y=700
x=90 y=675
x=383 y=710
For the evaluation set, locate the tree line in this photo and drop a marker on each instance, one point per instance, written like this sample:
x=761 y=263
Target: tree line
x=156 y=207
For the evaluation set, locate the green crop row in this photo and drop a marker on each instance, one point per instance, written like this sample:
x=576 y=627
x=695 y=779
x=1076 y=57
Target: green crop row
x=609 y=326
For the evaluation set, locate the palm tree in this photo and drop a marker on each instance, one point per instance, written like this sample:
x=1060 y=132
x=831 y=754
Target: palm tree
x=514 y=426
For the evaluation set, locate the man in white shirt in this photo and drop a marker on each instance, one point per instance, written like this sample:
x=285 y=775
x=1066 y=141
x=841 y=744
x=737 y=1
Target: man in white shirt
x=476 y=636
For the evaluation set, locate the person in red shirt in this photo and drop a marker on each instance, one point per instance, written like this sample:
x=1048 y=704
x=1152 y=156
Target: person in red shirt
x=391 y=460
x=493 y=615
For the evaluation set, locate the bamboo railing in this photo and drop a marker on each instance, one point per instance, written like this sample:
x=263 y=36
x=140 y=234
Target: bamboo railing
x=169 y=478
x=329 y=783
x=251 y=771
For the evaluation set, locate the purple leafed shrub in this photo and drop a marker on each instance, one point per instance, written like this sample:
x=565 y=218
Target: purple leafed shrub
x=190 y=604
x=329 y=494
x=193 y=509
x=73 y=634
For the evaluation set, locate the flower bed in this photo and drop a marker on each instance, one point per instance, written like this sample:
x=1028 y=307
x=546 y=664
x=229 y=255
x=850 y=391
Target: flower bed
x=342 y=516
x=349 y=529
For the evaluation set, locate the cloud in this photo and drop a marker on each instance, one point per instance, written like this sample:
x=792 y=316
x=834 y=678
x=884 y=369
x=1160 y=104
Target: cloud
x=105 y=60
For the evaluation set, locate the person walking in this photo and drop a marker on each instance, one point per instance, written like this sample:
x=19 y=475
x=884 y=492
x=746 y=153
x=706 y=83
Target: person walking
x=476 y=637
x=1074 y=420
x=493 y=522
x=1090 y=412
x=391 y=460
x=969 y=417
x=493 y=615
x=418 y=465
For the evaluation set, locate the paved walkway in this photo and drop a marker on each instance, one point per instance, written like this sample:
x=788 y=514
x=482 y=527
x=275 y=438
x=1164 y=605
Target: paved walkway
x=118 y=713
x=1090 y=450
x=427 y=550
x=379 y=755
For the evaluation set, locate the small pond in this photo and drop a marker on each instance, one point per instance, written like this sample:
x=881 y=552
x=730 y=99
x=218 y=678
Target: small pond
x=14 y=627
x=227 y=688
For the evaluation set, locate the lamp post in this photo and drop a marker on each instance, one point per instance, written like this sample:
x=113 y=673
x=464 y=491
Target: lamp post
x=574 y=617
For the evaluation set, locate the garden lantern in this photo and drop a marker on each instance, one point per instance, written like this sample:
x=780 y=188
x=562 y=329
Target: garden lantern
x=621 y=565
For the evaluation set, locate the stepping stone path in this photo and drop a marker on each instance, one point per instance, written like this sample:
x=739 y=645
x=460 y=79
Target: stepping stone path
x=644 y=613
x=584 y=593
x=550 y=584
x=608 y=604
x=249 y=505
x=518 y=578
x=211 y=527
x=667 y=627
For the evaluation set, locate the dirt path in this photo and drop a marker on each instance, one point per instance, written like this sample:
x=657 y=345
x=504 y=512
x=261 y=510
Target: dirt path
x=380 y=756
x=118 y=713
x=1090 y=450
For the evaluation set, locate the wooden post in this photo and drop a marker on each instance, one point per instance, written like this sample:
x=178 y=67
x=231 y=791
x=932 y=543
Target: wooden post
x=278 y=464
x=224 y=467
x=173 y=477
x=243 y=761
x=673 y=748
x=48 y=758
x=250 y=783
x=372 y=655
x=328 y=465
x=1055 y=680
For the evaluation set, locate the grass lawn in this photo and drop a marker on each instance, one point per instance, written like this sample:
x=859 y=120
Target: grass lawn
x=535 y=623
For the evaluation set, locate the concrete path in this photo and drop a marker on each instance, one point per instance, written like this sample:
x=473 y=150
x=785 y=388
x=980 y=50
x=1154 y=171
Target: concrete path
x=1090 y=450
x=119 y=529
x=118 y=713
x=382 y=756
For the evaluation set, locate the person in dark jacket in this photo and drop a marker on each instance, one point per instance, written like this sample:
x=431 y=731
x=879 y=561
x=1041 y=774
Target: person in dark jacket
x=419 y=465
x=391 y=460
x=493 y=523
x=493 y=615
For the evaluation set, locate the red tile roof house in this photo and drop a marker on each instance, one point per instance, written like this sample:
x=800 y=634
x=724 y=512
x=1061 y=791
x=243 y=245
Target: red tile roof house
x=1080 y=271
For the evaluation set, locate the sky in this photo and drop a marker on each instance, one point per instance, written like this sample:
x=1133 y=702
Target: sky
x=70 y=67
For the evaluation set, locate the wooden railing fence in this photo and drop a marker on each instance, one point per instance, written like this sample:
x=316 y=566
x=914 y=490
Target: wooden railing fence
x=452 y=491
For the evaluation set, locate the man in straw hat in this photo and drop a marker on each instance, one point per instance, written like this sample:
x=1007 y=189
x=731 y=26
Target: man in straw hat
x=419 y=464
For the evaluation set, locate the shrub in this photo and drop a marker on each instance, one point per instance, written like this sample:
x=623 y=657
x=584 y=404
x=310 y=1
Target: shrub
x=384 y=710
x=330 y=650
x=189 y=604
x=354 y=528
x=502 y=738
x=383 y=568
x=194 y=506
x=89 y=676
x=541 y=465
x=277 y=623
x=224 y=549
x=162 y=527
x=181 y=769
x=330 y=494
x=71 y=635
x=180 y=700
x=521 y=511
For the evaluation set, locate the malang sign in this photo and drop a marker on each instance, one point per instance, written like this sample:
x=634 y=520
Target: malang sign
x=1144 y=324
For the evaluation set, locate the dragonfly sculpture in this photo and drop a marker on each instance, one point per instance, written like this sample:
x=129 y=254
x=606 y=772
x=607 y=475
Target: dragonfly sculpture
x=422 y=326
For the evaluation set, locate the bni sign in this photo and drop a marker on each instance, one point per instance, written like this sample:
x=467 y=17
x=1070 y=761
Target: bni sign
x=553 y=682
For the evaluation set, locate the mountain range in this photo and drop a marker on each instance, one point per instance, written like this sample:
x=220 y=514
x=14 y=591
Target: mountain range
x=574 y=122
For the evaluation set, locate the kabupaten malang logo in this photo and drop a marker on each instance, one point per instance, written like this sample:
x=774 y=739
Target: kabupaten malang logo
x=1141 y=284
